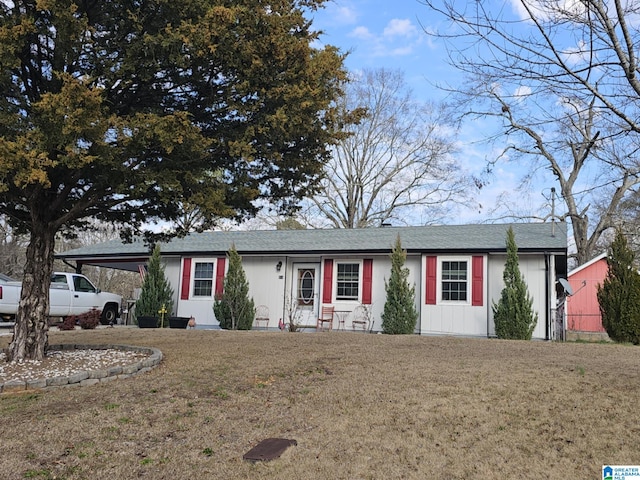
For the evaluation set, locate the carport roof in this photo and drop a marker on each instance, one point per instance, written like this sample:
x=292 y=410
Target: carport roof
x=530 y=237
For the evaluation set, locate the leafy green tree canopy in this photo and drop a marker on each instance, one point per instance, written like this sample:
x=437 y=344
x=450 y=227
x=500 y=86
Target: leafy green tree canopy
x=121 y=109
x=124 y=111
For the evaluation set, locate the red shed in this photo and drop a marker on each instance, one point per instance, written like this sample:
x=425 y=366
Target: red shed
x=582 y=308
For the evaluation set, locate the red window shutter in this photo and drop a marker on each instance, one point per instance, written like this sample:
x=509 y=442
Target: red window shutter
x=477 y=281
x=186 y=279
x=432 y=274
x=367 y=280
x=220 y=276
x=327 y=285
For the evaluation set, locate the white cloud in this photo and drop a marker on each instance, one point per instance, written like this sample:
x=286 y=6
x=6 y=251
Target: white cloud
x=400 y=28
x=399 y=38
x=522 y=91
x=401 y=51
x=519 y=9
x=362 y=33
x=346 y=15
x=341 y=15
x=577 y=55
x=547 y=10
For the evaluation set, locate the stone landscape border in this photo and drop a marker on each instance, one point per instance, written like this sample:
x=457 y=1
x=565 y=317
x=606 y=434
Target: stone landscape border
x=89 y=377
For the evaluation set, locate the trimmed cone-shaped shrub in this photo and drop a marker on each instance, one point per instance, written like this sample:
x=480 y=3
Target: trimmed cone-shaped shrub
x=619 y=294
x=234 y=309
x=156 y=290
x=399 y=315
x=513 y=315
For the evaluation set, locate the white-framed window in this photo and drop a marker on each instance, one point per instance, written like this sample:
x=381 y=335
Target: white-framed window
x=455 y=276
x=203 y=279
x=348 y=278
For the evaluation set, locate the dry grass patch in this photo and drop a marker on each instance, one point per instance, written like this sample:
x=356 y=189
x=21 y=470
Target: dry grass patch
x=360 y=406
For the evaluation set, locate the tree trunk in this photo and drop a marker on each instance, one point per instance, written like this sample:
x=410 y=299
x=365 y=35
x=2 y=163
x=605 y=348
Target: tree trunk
x=30 y=334
x=580 y=225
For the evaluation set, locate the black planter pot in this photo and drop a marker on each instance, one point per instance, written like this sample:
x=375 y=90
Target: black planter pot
x=148 y=322
x=178 y=322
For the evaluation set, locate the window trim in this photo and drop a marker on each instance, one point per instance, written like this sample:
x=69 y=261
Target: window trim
x=440 y=280
x=358 y=262
x=192 y=287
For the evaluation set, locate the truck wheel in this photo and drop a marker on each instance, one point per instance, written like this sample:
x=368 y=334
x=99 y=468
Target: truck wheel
x=109 y=315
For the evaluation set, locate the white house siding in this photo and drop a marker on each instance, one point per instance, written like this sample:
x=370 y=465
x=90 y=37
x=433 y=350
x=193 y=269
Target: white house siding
x=453 y=318
x=172 y=272
x=201 y=308
x=534 y=271
x=381 y=273
x=265 y=287
x=270 y=287
x=266 y=284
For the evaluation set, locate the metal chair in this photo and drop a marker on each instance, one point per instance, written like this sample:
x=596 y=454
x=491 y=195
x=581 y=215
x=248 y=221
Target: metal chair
x=360 y=318
x=326 y=316
x=262 y=315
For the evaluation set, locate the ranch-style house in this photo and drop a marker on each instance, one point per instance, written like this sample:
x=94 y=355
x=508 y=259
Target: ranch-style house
x=456 y=269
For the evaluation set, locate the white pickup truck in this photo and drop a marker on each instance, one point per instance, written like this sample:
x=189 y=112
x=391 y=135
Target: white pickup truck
x=70 y=294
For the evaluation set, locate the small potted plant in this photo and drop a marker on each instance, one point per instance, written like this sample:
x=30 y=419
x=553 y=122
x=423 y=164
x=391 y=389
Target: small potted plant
x=178 y=322
x=156 y=296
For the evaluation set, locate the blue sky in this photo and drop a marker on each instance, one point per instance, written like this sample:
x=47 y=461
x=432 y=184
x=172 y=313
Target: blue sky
x=391 y=34
x=383 y=33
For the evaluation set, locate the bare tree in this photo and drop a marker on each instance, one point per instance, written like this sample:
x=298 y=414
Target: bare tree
x=394 y=165
x=560 y=79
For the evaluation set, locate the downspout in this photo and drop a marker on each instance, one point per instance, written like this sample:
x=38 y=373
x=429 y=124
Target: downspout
x=547 y=297
x=487 y=276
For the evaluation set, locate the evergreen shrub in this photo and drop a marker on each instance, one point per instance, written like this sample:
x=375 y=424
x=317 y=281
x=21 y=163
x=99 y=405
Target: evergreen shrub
x=619 y=294
x=156 y=290
x=399 y=315
x=513 y=315
x=233 y=309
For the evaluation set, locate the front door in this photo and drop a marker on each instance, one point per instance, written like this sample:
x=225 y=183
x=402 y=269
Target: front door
x=306 y=292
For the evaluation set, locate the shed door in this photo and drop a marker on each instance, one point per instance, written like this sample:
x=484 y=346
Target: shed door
x=306 y=292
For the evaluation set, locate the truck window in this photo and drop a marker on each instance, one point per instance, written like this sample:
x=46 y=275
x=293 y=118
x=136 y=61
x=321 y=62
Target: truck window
x=59 y=282
x=81 y=284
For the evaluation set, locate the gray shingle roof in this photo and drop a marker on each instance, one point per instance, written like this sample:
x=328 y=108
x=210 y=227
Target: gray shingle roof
x=451 y=238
